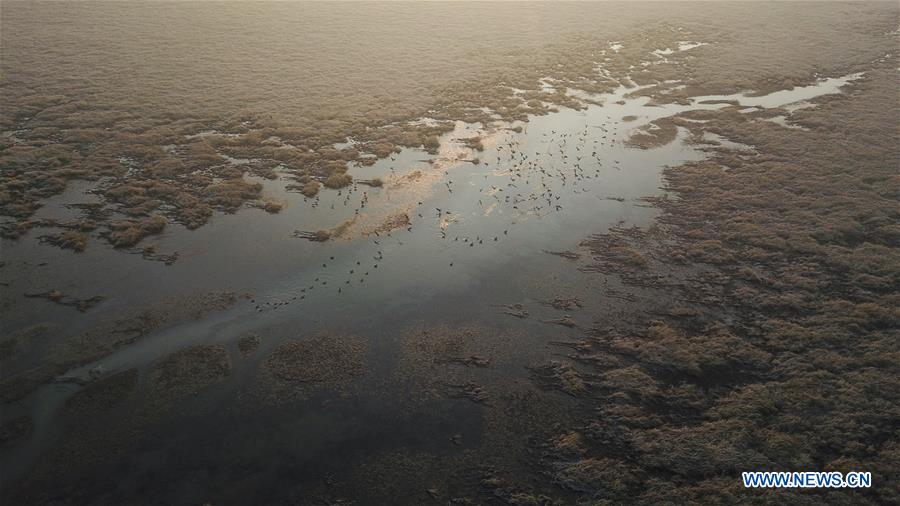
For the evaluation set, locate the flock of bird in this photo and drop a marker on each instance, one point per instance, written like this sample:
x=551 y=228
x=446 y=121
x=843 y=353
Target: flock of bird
x=527 y=176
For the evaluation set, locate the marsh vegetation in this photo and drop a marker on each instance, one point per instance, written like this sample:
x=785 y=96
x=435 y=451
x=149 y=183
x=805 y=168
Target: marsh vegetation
x=615 y=256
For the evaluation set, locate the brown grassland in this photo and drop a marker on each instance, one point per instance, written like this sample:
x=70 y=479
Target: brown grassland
x=763 y=331
x=781 y=348
x=128 y=96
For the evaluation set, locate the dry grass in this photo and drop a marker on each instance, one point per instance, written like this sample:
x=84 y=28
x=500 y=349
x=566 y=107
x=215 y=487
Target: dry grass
x=124 y=234
x=70 y=239
x=338 y=180
x=655 y=134
x=69 y=116
x=778 y=349
x=273 y=207
x=310 y=189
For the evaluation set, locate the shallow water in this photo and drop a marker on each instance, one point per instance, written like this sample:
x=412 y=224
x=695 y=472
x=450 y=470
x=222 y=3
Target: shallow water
x=796 y=97
x=478 y=237
x=503 y=215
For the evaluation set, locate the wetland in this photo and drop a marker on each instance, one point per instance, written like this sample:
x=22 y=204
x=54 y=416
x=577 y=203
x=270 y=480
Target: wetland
x=448 y=253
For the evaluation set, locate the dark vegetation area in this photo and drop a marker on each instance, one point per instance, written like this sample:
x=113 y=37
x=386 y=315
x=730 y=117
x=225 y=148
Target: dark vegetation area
x=21 y=377
x=780 y=348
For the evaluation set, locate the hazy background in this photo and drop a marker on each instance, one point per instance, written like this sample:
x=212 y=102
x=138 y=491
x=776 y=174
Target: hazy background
x=322 y=60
